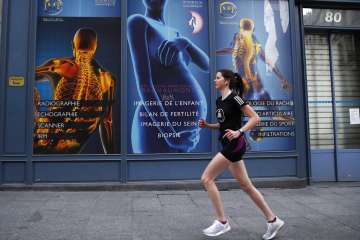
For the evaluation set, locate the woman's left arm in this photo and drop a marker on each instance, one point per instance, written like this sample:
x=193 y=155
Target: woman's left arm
x=253 y=118
x=250 y=124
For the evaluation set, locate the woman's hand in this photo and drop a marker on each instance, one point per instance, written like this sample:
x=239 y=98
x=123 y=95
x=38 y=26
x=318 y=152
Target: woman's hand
x=202 y=123
x=231 y=134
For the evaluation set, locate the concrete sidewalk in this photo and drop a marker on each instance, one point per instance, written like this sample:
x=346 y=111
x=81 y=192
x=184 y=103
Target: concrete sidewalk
x=315 y=212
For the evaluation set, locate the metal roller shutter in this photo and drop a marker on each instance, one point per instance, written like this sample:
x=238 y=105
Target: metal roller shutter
x=319 y=91
x=345 y=50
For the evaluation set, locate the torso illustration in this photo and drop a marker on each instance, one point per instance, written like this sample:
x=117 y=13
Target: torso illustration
x=175 y=83
x=165 y=78
x=82 y=97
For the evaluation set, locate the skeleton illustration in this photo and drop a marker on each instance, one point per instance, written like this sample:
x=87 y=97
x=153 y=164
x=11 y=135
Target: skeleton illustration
x=83 y=92
x=244 y=51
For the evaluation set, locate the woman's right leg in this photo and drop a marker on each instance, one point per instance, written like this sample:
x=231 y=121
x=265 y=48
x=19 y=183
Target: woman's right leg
x=274 y=224
x=238 y=170
x=217 y=165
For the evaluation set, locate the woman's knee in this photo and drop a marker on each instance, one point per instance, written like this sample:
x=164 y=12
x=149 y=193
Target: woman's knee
x=246 y=186
x=206 y=180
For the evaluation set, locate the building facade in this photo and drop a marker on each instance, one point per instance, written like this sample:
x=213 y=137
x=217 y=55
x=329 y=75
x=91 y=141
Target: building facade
x=112 y=90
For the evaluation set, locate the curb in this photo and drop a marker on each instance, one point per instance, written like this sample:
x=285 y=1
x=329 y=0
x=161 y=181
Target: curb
x=223 y=185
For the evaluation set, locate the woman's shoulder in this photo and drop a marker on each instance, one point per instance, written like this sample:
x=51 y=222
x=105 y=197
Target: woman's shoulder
x=238 y=99
x=236 y=94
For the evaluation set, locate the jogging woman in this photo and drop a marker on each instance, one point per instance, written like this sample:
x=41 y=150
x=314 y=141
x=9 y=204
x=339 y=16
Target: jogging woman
x=229 y=111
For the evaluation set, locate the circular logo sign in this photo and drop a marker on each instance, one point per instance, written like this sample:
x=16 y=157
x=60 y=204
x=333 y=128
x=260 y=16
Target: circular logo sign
x=53 y=7
x=228 y=9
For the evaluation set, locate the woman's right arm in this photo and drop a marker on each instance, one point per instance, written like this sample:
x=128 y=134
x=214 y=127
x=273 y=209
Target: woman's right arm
x=204 y=124
x=213 y=125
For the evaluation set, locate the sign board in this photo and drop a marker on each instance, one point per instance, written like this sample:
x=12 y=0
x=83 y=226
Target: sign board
x=331 y=18
x=16 y=81
x=354 y=115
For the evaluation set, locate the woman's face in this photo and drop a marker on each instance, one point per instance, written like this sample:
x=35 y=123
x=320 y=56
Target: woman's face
x=154 y=4
x=220 y=82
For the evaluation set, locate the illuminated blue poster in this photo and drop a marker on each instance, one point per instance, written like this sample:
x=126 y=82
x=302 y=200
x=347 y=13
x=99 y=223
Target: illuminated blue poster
x=77 y=77
x=253 y=39
x=168 y=76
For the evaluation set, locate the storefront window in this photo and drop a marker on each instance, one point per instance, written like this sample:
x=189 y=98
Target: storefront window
x=171 y=94
x=0 y=18
x=256 y=44
x=76 y=108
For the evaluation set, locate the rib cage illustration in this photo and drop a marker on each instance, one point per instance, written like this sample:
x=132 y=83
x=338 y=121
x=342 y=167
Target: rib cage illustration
x=85 y=87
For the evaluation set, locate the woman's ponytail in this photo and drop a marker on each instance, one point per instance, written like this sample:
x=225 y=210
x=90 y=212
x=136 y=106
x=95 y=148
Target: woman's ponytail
x=236 y=84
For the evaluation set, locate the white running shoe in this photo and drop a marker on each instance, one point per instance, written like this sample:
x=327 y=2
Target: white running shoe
x=217 y=228
x=273 y=228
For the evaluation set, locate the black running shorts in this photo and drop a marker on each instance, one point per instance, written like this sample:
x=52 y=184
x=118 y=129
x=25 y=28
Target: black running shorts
x=233 y=150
